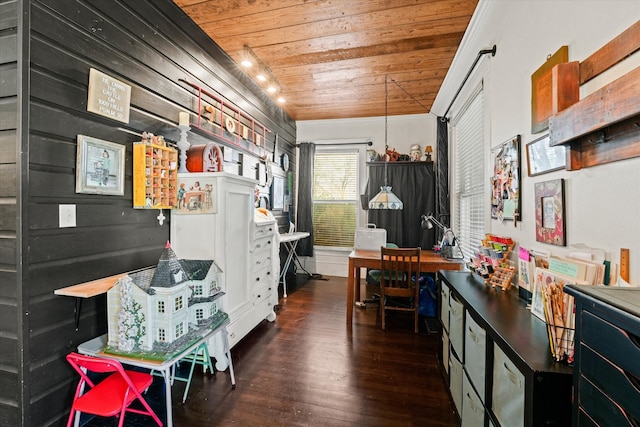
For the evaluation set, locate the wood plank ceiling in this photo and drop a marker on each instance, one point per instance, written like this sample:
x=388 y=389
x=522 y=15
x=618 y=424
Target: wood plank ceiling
x=330 y=57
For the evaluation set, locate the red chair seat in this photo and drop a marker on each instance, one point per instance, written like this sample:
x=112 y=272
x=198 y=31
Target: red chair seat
x=113 y=394
x=106 y=398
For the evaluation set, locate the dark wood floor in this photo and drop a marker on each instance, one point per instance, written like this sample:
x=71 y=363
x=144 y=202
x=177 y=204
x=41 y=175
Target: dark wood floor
x=308 y=369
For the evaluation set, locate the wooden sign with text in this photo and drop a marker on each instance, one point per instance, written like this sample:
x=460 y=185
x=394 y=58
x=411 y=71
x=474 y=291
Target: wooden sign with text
x=108 y=97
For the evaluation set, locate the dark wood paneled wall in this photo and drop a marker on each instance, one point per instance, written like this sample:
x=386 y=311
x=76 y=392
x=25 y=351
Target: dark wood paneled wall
x=151 y=45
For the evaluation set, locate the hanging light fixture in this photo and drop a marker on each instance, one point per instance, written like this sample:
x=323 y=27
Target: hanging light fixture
x=385 y=199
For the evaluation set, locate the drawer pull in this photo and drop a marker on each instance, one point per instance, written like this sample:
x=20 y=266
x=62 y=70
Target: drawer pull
x=473 y=335
x=258 y=246
x=512 y=376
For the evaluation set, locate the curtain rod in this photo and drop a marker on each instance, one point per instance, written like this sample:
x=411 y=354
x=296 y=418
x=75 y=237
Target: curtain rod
x=369 y=143
x=492 y=51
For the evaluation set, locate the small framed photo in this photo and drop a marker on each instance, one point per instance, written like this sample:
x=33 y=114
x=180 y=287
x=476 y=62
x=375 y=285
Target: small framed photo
x=543 y=158
x=550 y=220
x=99 y=167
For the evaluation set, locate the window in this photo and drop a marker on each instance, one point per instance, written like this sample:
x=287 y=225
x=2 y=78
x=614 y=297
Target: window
x=160 y=306
x=178 y=303
x=214 y=309
x=179 y=329
x=197 y=290
x=161 y=335
x=469 y=176
x=335 y=197
x=199 y=314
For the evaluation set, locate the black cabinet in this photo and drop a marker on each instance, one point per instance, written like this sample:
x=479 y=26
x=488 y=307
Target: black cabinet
x=607 y=356
x=524 y=386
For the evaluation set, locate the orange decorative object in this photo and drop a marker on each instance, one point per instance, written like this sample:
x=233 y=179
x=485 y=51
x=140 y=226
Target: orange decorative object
x=205 y=158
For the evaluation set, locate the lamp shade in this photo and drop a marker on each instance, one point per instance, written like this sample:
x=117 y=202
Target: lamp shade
x=385 y=199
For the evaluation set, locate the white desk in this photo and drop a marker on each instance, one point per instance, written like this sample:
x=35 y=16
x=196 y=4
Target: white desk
x=96 y=346
x=290 y=241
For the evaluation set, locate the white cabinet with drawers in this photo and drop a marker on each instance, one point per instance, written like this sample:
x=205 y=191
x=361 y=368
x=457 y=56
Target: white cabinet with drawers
x=245 y=250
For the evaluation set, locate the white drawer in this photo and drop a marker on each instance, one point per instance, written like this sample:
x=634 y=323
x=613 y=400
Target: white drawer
x=445 y=351
x=508 y=390
x=455 y=381
x=472 y=407
x=263 y=276
x=444 y=306
x=475 y=344
x=456 y=326
x=262 y=244
x=264 y=229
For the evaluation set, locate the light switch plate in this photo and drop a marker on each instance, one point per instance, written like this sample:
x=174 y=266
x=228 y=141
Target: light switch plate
x=67 y=215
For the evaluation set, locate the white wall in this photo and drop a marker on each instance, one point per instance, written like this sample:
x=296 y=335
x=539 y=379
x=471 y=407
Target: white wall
x=602 y=202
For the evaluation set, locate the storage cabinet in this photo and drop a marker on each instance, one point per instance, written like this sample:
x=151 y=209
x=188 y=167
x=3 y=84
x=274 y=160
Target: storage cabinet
x=155 y=171
x=509 y=377
x=240 y=246
x=607 y=356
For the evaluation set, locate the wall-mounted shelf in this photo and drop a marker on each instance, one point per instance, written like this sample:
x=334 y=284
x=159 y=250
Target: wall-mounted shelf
x=603 y=127
x=155 y=174
x=227 y=122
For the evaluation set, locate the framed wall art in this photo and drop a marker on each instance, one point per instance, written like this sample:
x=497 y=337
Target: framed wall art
x=543 y=158
x=505 y=196
x=550 y=219
x=277 y=198
x=99 y=167
x=197 y=194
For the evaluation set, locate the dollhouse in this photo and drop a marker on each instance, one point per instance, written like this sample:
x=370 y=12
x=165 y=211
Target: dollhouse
x=159 y=305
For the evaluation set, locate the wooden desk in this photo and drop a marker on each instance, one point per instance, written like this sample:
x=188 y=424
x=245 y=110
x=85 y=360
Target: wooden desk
x=430 y=262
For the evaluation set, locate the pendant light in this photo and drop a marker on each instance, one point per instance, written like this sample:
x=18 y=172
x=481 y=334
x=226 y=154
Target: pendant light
x=385 y=199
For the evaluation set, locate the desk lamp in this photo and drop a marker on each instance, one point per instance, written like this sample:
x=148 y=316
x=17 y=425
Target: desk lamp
x=449 y=242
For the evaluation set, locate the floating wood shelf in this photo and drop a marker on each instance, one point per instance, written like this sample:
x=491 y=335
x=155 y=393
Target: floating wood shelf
x=603 y=127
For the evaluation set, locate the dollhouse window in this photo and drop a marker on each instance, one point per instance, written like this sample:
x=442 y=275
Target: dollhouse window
x=197 y=290
x=179 y=304
x=179 y=329
x=161 y=335
x=214 y=309
x=213 y=287
x=160 y=306
x=199 y=314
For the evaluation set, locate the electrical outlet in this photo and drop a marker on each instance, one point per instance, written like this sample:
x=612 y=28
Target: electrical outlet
x=67 y=215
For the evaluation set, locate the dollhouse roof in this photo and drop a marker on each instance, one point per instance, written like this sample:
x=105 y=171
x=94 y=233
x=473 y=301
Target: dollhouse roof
x=169 y=271
x=196 y=269
x=142 y=279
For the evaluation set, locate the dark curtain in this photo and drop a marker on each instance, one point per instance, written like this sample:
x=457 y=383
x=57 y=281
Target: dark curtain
x=304 y=220
x=414 y=184
x=441 y=211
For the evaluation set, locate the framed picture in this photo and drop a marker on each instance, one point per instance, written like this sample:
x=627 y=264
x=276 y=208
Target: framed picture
x=550 y=221
x=277 y=198
x=99 y=167
x=543 y=158
x=196 y=195
x=505 y=196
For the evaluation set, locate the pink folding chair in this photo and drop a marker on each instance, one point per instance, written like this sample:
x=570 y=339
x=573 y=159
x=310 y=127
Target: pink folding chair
x=111 y=396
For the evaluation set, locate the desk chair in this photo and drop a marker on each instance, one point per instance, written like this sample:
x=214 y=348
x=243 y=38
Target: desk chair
x=373 y=278
x=111 y=396
x=399 y=288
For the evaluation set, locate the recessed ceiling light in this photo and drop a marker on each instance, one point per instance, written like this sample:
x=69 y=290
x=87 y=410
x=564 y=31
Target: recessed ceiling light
x=271 y=89
x=261 y=77
x=281 y=100
x=246 y=63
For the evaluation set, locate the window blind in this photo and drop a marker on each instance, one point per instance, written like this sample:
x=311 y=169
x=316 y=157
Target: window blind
x=335 y=197
x=469 y=176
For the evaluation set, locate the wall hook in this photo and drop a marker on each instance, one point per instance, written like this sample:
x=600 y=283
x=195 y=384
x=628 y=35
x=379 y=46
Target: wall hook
x=161 y=217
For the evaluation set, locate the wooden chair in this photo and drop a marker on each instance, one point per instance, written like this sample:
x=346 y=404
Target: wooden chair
x=112 y=395
x=399 y=289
